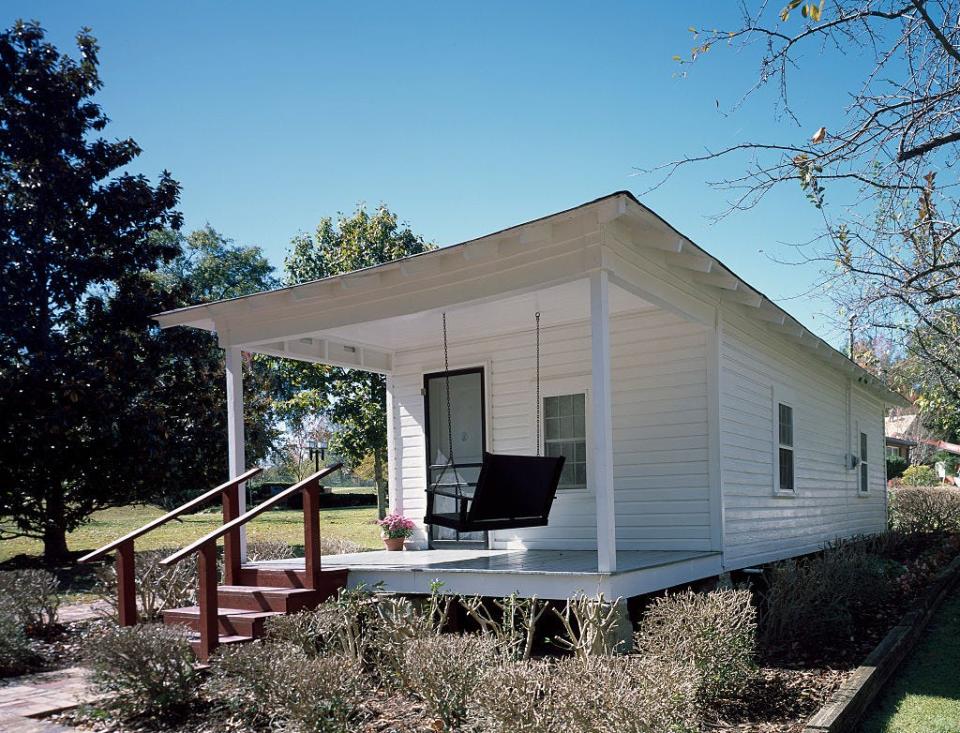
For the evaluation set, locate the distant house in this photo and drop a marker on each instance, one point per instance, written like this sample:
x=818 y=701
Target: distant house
x=704 y=428
x=901 y=433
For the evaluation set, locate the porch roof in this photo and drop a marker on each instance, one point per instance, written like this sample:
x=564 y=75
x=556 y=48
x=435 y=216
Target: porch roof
x=538 y=255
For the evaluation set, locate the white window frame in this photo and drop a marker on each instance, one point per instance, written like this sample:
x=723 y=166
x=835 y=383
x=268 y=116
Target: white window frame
x=556 y=388
x=862 y=435
x=781 y=396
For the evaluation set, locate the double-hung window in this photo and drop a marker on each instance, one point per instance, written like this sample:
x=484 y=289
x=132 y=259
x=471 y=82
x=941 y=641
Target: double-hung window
x=864 y=464
x=784 y=478
x=565 y=434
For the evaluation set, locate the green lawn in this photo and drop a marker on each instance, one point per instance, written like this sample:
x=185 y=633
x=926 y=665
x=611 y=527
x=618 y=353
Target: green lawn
x=353 y=523
x=924 y=696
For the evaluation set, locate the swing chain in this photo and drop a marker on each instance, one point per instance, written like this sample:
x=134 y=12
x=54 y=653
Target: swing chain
x=538 y=383
x=446 y=373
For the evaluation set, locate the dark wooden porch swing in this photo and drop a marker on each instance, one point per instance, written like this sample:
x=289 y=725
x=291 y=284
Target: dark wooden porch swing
x=512 y=491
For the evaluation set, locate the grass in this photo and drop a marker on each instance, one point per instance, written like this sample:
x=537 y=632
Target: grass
x=924 y=696
x=353 y=523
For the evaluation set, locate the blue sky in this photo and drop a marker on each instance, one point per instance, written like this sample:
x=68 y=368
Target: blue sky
x=463 y=118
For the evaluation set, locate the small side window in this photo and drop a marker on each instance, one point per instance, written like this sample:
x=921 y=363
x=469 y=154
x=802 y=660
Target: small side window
x=565 y=434
x=785 y=447
x=864 y=464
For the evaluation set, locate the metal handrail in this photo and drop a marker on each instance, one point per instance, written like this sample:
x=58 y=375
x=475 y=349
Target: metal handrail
x=244 y=518
x=182 y=509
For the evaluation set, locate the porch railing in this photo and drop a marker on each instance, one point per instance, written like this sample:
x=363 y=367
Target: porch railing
x=126 y=590
x=206 y=550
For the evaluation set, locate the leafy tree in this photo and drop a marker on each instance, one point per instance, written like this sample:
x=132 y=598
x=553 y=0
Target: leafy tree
x=187 y=390
x=353 y=401
x=74 y=250
x=888 y=245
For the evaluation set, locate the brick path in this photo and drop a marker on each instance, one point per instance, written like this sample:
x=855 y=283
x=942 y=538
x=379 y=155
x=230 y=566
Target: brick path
x=82 y=611
x=39 y=695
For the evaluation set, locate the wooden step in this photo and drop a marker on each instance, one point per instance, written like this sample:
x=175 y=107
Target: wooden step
x=275 y=578
x=289 y=578
x=223 y=640
x=231 y=621
x=268 y=598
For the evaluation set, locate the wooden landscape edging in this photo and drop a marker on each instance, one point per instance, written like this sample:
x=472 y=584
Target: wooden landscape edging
x=848 y=704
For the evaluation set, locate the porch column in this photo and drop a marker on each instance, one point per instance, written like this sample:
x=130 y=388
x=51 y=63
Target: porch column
x=236 y=457
x=602 y=422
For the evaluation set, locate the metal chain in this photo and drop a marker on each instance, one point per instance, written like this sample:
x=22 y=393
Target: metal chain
x=538 y=383
x=446 y=374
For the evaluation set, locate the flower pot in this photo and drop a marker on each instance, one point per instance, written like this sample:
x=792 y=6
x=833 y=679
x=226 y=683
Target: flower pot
x=393 y=544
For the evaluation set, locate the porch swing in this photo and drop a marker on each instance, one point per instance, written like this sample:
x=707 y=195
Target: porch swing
x=512 y=491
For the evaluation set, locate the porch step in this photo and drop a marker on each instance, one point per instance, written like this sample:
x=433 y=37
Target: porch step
x=270 y=598
x=274 y=578
x=224 y=640
x=231 y=621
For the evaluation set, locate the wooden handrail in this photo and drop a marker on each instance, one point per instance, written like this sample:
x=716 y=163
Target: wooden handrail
x=183 y=509
x=244 y=518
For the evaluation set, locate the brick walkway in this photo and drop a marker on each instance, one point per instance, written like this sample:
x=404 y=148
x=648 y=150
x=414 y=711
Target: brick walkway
x=82 y=611
x=39 y=695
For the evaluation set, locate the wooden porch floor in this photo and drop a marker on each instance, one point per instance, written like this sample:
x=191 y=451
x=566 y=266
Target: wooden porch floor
x=544 y=573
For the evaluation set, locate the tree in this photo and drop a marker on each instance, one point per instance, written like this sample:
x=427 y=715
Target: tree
x=186 y=391
x=353 y=401
x=889 y=240
x=74 y=250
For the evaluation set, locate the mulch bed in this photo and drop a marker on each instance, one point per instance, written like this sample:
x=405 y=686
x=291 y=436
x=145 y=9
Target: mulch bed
x=792 y=682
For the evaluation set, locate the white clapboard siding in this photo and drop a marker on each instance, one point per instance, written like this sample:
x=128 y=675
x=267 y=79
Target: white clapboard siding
x=760 y=525
x=661 y=475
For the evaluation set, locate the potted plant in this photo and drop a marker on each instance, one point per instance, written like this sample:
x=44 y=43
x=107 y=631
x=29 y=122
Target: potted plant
x=394 y=529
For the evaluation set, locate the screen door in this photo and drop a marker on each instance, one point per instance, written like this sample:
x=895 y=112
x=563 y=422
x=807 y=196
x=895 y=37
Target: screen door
x=467 y=413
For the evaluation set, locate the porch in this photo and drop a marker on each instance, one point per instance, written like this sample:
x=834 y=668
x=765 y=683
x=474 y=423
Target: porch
x=549 y=574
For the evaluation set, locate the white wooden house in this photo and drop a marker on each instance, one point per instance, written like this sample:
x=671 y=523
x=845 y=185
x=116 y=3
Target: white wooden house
x=704 y=428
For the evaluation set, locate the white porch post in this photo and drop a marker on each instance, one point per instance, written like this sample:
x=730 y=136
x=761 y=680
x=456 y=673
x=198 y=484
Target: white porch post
x=602 y=423
x=236 y=457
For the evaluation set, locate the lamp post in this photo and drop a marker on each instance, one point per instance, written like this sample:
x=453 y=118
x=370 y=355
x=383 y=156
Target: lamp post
x=318 y=452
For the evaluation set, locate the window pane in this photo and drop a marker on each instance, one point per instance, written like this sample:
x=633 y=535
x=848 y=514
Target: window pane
x=864 y=477
x=551 y=428
x=551 y=407
x=786 y=425
x=786 y=469
x=863 y=446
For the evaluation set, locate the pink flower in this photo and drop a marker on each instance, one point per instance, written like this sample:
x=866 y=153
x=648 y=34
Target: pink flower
x=394 y=526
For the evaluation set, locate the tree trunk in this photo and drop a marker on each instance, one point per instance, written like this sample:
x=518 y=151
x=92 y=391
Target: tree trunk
x=54 y=528
x=381 y=482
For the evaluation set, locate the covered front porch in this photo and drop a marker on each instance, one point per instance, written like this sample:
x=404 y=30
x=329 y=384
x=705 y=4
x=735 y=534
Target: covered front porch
x=548 y=574
x=637 y=358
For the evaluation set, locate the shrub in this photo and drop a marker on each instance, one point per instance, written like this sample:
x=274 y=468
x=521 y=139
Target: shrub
x=632 y=694
x=716 y=632
x=920 y=476
x=925 y=510
x=145 y=670
x=33 y=596
x=16 y=653
x=444 y=671
x=314 y=632
x=896 y=466
x=338 y=546
x=593 y=626
x=817 y=599
x=157 y=586
x=268 y=549
x=270 y=686
x=511 y=621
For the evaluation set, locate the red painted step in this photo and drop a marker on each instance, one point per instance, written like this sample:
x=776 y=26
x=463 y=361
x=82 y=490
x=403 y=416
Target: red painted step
x=269 y=598
x=232 y=621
